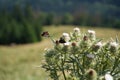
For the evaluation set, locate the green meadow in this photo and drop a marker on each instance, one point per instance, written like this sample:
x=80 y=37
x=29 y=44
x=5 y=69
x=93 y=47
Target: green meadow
x=23 y=62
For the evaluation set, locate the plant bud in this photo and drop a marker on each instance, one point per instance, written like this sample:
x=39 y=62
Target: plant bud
x=91 y=75
x=73 y=44
x=91 y=34
x=57 y=42
x=85 y=38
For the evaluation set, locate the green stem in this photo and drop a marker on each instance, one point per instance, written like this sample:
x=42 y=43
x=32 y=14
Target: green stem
x=79 y=65
x=62 y=69
x=116 y=63
x=74 y=68
x=63 y=72
x=52 y=40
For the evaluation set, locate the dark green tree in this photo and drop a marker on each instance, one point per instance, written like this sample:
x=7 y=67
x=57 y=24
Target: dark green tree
x=15 y=28
x=28 y=13
x=28 y=33
x=49 y=19
x=67 y=19
x=17 y=14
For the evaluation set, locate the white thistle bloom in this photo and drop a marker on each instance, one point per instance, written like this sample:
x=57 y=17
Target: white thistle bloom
x=66 y=37
x=76 y=34
x=114 y=44
x=91 y=32
x=108 y=77
x=99 y=44
x=76 y=30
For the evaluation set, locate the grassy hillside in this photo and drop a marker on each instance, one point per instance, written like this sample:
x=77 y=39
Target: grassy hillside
x=22 y=62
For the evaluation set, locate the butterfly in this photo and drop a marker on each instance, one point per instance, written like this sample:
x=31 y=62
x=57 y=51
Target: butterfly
x=62 y=40
x=45 y=34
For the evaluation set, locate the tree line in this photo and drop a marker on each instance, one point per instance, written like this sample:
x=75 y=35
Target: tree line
x=25 y=25
x=81 y=19
x=18 y=26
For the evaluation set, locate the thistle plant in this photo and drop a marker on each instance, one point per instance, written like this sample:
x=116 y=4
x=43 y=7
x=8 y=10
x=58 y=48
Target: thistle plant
x=82 y=56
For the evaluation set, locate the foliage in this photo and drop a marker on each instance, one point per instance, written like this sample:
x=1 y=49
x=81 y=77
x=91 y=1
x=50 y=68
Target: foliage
x=19 y=26
x=82 y=56
x=67 y=19
x=84 y=12
x=49 y=19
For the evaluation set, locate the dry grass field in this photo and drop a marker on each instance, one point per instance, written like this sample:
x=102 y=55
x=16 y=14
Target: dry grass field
x=22 y=62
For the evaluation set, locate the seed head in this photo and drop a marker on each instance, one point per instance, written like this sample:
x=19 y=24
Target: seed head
x=73 y=44
x=91 y=74
x=85 y=38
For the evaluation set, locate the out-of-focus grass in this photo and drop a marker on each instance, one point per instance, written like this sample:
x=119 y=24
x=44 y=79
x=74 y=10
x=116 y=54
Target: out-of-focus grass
x=22 y=62
x=104 y=33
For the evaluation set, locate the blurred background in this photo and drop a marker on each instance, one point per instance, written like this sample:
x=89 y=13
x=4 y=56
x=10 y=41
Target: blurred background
x=23 y=21
x=17 y=17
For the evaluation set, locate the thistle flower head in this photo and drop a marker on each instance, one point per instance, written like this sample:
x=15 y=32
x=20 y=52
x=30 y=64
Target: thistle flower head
x=99 y=44
x=85 y=38
x=66 y=47
x=66 y=37
x=91 y=74
x=91 y=32
x=73 y=44
x=76 y=34
x=108 y=77
x=57 y=42
x=76 y=30
x=114 y=44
